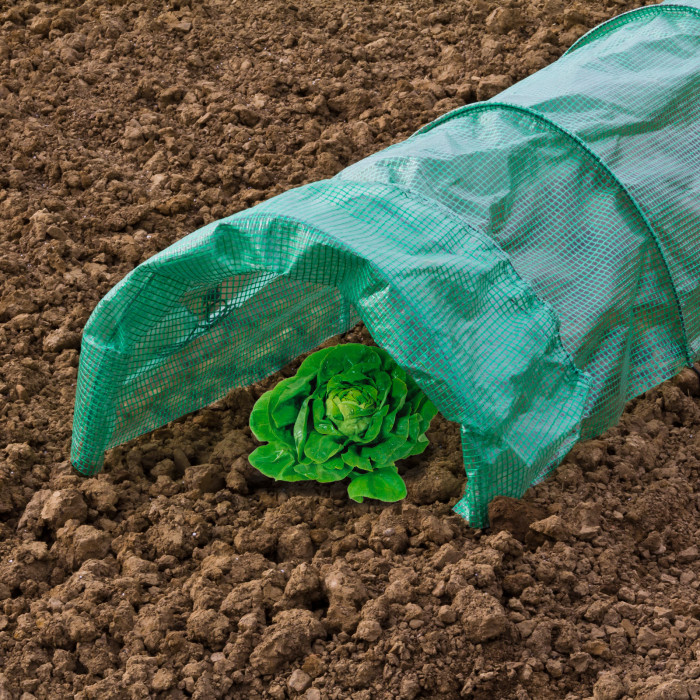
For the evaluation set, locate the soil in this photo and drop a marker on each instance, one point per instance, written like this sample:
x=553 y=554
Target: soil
x=179 y=571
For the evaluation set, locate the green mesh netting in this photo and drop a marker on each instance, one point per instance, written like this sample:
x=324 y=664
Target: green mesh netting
x=533 y=261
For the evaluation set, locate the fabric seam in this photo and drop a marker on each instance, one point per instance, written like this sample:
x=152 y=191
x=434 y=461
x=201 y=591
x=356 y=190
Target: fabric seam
x=626 y=18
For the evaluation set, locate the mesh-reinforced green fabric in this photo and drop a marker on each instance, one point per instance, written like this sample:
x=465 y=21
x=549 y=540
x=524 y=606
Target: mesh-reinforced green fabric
x=533 y=261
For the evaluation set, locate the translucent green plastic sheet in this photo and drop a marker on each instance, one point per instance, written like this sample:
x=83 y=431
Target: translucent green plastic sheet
x=533 y=261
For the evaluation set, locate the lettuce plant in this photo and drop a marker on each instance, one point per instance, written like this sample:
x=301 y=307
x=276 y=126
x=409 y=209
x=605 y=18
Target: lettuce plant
x=350 y=411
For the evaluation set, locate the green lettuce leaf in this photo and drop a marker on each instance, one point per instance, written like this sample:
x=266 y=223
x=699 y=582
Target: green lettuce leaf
x=333 y=470
x=383 y=484
x=320 y=448
x=275 y=461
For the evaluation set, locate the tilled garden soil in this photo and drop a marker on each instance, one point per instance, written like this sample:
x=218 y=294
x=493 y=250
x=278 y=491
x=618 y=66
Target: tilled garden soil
x=179 y=572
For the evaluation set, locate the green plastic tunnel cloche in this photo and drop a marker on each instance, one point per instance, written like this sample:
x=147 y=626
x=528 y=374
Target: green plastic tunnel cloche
x=532 y=261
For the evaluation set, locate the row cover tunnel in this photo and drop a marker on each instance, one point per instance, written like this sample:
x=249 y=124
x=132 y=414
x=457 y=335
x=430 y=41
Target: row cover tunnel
x=533 y=261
